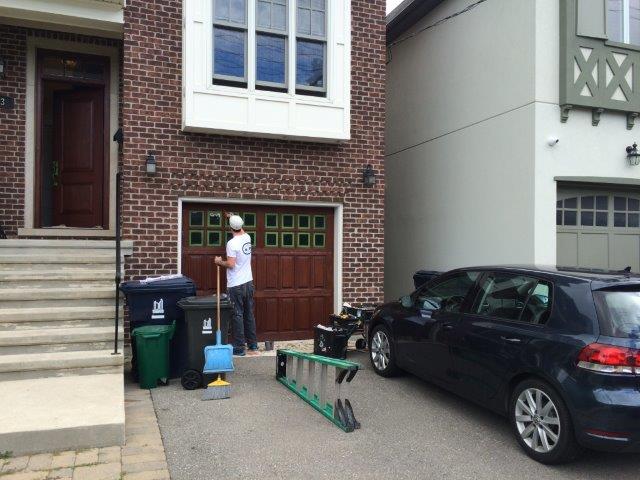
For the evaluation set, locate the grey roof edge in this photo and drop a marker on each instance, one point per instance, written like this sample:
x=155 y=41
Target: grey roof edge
x=405 y=15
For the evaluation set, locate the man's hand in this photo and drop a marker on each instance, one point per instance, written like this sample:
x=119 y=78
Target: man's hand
x=218 y=261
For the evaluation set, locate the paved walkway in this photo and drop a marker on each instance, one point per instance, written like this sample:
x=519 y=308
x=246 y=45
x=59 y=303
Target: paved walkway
x=142 y=457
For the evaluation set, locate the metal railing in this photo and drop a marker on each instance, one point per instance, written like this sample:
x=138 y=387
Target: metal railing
x=118 y=261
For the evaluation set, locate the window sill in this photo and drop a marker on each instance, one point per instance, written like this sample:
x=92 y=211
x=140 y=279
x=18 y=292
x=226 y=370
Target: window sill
x=624 y=46
x=266 y=94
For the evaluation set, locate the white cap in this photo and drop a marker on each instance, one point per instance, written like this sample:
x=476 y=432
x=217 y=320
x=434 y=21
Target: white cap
x=236 y=222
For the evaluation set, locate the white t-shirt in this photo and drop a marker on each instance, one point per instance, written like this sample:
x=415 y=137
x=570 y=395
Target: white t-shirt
x=240 y=248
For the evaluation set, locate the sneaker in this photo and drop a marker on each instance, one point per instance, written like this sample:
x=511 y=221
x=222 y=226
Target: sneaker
x=239 y=352
x=253 y=347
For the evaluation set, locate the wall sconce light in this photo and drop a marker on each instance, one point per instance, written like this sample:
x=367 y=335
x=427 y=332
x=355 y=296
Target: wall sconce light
x=633 y=155
x=368 y=176
x=2 y=67
x=151 y=164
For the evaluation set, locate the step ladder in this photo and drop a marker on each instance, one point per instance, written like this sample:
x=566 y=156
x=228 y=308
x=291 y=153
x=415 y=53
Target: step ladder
x=307 y=376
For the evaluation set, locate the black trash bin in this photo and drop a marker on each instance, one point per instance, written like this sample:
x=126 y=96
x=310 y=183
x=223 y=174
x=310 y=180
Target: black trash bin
x=155 y=302
x=199 y=330
x=331 y=341
x=423 y=276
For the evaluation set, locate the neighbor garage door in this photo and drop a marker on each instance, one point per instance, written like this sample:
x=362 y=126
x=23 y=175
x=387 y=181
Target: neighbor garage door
x=292 y=262
x=598 y=228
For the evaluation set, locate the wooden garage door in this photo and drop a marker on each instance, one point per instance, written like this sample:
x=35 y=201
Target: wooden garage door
x=292 y=262
x=598 y=228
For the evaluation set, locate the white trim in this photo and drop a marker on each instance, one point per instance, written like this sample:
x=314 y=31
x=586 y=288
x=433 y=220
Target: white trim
x=625 y=21
x=33 y=44
x=337 y=232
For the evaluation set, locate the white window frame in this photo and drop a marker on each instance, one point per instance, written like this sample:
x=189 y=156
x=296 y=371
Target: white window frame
x=626 y=22
x=230 y=26
x=318 y=39
x=275 y=33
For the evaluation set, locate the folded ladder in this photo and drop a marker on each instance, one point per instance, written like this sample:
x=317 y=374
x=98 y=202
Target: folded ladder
x=299 y=373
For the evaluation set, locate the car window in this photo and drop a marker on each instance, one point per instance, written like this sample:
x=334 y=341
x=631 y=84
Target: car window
x=619 y=313
x=447 y=293
x=514 y=297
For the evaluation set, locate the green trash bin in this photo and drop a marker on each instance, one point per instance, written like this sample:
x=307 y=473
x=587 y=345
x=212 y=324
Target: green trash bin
x=152 y=352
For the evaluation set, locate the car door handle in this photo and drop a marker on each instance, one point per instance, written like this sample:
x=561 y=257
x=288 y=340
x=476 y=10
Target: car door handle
x=447 y=326
x=511 y=339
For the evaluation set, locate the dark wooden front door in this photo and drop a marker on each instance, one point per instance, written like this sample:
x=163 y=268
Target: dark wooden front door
x=292 y=262
x=79 y=156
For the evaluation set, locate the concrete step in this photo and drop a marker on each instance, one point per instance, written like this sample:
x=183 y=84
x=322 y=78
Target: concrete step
x=61 y=347
x=56 y=284
x=56 y=258
x=48 y=336
x=70 y=293
x=62 y=413
x=60 y=372
x=37 y=302
x=55 y=324
x=59 y=360
x=50 y=314
x=29 y=243
x=38 y=273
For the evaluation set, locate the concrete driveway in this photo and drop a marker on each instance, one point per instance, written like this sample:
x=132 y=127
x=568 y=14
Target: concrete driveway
x=410 y=429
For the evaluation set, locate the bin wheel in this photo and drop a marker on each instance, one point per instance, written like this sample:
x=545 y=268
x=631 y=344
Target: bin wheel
x=191 y=379
x=361 y=344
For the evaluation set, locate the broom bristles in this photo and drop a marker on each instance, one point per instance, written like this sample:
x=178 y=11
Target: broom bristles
x=217 y=390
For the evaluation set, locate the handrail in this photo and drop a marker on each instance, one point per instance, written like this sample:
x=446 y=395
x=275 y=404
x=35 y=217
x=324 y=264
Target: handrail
x=3 y=235
x=118 y=249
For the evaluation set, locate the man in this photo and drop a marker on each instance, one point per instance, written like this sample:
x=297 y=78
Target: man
x=240 y=287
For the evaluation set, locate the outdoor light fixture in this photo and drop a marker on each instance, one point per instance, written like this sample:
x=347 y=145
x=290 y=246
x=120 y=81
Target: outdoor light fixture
x=151 y=164
x=368 y=176
x=2 y=67
x=633 y=155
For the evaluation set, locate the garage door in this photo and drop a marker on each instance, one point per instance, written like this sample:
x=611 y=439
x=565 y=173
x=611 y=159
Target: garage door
x=292 y=262
x=598 y=228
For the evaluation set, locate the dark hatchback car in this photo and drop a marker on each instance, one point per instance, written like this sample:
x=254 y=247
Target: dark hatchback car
x=556 y=351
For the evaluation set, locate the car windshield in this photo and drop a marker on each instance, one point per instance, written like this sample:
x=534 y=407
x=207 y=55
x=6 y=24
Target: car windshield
x=619 y=313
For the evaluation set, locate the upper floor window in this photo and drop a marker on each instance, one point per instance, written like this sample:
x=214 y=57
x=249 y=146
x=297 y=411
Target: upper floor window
x=271 y=26
x=623 y=21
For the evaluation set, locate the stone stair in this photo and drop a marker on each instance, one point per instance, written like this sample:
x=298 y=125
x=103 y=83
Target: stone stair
x=62 y=386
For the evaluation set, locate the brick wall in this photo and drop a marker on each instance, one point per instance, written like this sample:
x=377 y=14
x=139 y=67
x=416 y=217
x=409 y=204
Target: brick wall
x=198 y=165
x=13 y=49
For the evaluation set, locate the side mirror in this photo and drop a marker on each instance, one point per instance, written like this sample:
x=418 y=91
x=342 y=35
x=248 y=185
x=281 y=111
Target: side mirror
x=406 y=301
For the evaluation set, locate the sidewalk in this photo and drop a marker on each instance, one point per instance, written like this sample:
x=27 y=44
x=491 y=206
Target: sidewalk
x=142 y=457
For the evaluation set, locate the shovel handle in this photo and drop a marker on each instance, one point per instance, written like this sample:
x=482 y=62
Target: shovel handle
x=218 y=293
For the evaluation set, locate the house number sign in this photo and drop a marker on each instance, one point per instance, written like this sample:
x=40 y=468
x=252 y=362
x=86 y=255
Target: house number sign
x=7 y=103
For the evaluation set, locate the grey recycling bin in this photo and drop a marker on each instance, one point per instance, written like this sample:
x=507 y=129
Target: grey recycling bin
x=198 y=331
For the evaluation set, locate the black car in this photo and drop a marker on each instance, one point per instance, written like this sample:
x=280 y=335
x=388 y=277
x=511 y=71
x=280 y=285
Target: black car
x=557 y=351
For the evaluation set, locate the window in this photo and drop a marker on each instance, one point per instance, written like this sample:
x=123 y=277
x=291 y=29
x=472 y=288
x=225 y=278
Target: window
x=229 y=41
x=626 y=212
x=449 y=293
x=623 y=21
x=514 y=297
x=311 y=45
x=231 y=25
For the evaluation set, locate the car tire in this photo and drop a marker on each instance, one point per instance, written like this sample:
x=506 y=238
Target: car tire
x=382 y=352
x=547 y=436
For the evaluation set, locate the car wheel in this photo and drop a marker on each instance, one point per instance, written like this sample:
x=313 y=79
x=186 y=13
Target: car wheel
x=382 y=352
x=541 y=423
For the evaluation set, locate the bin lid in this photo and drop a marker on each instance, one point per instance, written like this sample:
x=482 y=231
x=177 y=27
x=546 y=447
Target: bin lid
x=154 y=330
x=173 y=283
x=208 y=302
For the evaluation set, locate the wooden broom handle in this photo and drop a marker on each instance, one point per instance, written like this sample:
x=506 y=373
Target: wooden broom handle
x=218 y=291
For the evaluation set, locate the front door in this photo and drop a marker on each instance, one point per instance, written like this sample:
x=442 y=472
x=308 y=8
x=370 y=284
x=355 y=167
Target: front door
x=78 y=158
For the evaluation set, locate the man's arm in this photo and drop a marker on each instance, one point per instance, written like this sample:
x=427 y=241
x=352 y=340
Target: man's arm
x=229 y=263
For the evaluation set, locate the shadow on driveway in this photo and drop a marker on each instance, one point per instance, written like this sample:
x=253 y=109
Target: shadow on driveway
x=410 y=429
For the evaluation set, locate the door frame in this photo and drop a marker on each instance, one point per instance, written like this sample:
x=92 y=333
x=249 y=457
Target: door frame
x=32 y=135
x=337 y=232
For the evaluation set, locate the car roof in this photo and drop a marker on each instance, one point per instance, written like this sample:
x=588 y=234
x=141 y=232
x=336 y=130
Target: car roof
x=598 y=277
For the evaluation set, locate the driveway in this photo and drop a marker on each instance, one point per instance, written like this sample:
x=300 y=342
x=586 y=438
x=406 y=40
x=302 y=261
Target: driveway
x=410 y=429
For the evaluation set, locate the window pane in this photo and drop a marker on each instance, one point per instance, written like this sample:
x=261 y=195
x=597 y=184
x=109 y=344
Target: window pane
x=196 y=219
x=504 y=296
x=304 y=3
x=602 y=202
x=571 y=203
x=634 y=22
x=559 y=204
x=228 y=52
x=536 y=309
x=634 y=205
x=448 y=294
x=619 y=203
x=310 y=64
x=270 y=62
x=570 y=217
x=602 y=219
x=558 y=217
x=586 y=219
x=303 y=21
x=619 y=220
x=317 y=23
x=634 y=219
x=221 y=8
x=237 y=11
x=587 y=203
x=279 y=17
x=318 y=4
x=264 y=14
x=614 y=20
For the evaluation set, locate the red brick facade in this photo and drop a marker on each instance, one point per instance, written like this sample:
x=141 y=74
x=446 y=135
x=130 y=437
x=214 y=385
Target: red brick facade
x=214 y=166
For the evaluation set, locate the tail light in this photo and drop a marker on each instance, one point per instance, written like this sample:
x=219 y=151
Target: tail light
x=609 y=359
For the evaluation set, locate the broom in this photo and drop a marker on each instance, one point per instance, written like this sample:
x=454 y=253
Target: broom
x=218 y=359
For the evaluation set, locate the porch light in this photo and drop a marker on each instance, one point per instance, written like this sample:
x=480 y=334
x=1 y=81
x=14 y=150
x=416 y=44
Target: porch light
x=368 y=176
x=1 y=67
x=633 y=155
x=151 y=164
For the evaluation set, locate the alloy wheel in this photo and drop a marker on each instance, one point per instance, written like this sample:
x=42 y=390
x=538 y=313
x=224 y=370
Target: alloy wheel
x=537 y=420
x=380 y=350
